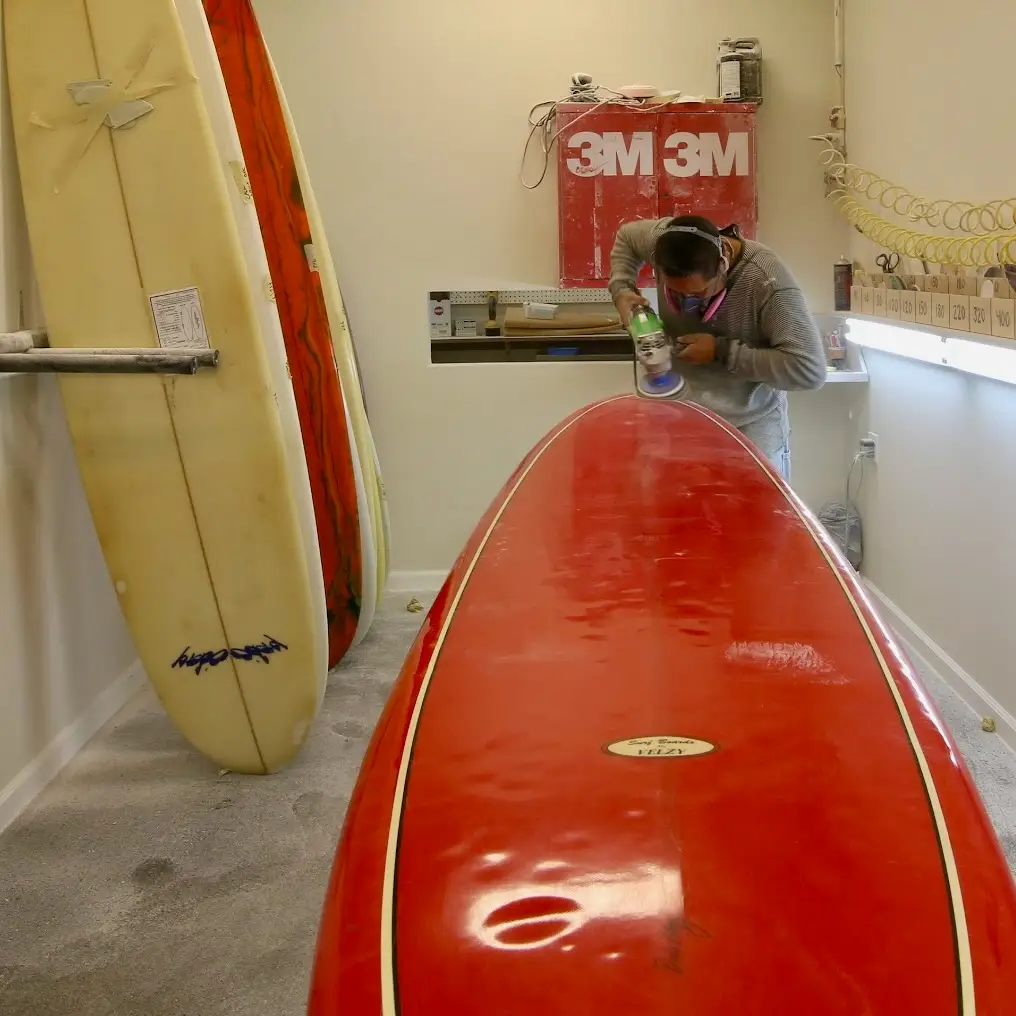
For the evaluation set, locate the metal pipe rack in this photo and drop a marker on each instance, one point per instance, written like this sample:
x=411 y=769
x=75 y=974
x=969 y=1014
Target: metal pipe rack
x=28 y=352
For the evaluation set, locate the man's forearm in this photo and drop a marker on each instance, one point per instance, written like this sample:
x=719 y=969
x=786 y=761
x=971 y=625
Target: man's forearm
x=795 y=360
x=782 y=368
x=633 y=247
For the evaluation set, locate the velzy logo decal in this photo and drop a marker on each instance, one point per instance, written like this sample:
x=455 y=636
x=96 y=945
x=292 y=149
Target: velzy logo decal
x=608 y=154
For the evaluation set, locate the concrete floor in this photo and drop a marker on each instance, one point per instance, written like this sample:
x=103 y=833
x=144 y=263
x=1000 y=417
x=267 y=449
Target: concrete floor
x=142 y=883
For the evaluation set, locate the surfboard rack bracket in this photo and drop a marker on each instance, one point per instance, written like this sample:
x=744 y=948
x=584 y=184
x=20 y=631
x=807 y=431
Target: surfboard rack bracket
x=28 y=352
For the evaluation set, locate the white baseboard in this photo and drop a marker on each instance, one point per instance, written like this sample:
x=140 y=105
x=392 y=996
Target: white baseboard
x=416 y=581
x=926 y=653
x=33 y=779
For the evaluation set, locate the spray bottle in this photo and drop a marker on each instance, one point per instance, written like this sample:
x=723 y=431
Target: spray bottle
x=655 y=377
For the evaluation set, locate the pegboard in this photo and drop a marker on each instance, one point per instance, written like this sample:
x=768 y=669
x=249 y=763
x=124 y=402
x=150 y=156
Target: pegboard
x=512 y=297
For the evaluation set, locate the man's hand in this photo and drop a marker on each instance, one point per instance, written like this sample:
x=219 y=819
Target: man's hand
x=699 y=348
x=626 y=301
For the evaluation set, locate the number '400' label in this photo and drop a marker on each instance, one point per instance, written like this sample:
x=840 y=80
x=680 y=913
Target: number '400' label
x=1003 y=319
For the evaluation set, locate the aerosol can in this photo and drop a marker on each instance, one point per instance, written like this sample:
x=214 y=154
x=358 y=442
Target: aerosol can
x=655 y=377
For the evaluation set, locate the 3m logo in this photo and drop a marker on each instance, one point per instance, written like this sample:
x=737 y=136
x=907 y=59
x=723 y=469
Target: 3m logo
x=608 y=154
x=706 y=155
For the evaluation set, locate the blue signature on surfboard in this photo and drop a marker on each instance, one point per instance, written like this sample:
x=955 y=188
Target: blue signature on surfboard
x=210 y=658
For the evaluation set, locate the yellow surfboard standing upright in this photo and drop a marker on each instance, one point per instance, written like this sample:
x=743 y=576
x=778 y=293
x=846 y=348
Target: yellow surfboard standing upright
x=201 y=517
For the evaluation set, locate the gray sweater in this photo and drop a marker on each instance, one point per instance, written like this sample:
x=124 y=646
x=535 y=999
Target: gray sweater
x=768 y=342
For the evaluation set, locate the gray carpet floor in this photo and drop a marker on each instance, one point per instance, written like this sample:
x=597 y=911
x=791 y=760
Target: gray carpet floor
x=143 y=883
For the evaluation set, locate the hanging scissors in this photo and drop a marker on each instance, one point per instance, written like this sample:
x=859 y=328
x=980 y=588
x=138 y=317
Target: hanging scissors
x=888 y=262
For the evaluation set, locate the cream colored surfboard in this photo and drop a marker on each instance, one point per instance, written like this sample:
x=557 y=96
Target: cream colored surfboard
x=342 y=342
x=227 y=143
x=201 y=516
x=386 y=522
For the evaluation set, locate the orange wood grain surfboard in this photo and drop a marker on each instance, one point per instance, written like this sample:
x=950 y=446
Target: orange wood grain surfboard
x=271 y=167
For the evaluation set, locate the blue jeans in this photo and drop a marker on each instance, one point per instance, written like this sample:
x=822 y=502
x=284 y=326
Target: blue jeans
x=780 y=461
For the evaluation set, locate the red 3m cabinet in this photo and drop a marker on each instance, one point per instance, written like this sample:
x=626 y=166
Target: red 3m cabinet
x=616 y=164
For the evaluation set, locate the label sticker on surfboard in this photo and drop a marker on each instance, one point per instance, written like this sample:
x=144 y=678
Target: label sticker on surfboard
x=179 y=320
x=242 y=181
x=308 y=249
x=660 y=746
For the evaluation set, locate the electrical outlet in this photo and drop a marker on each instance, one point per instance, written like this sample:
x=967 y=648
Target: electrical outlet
x=869 y=447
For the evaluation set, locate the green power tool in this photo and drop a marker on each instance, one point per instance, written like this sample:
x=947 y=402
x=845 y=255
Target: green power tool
x=655 y=377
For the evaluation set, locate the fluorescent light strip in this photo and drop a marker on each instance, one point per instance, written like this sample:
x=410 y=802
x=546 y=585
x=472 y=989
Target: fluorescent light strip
x=925 y=346
x=997 y=362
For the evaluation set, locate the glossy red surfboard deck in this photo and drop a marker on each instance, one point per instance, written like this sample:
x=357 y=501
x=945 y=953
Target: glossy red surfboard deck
x=653 y=753
x=271 y=167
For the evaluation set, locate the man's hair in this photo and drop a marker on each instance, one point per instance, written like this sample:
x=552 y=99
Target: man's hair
x=681 y=253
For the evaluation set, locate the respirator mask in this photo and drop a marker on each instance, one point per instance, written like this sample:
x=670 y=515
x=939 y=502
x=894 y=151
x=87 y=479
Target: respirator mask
x=705 y=305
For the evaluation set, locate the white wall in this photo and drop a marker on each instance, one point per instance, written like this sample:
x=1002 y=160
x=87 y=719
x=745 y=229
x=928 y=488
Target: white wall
x=413 y=120
x=929 y=106
x=63 y=642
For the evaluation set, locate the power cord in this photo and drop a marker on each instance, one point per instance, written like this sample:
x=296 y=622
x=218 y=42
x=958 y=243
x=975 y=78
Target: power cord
x=966 y=216
x=990 y=227
x=584 y=90
x=842 y=519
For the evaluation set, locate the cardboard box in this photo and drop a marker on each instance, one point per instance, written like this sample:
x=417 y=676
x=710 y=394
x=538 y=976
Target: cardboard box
x=878 y=302
x=867 y=300
x=908 y=305
x=959 y=312
x=1000 y=289
x=893 y=300
x=440 y=313
x=940 y=310
x=856 y=299
x=938 y=283
x=1003 y=319
x=963 y=285
x=922 y=307
x=980 y=315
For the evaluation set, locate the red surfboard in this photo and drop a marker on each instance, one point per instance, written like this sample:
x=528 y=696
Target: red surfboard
x=268 y=155
x=653 y=753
